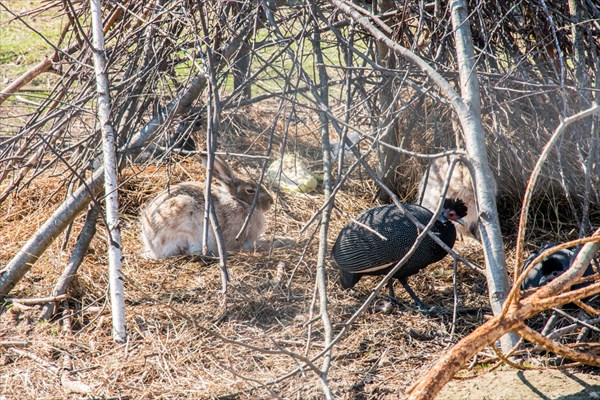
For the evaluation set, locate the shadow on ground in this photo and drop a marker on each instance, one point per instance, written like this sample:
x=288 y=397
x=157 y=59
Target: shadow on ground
x=525 y=385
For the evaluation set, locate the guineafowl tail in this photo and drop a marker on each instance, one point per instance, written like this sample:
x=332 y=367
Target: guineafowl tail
x=348 y=279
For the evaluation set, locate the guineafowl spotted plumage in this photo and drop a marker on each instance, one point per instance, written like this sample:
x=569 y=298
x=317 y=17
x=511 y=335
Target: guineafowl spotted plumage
x=383 y=235
x=550 y=267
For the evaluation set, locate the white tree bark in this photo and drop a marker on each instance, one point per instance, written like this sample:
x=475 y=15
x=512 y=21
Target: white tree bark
x=470 y=118
x=115 y=270
x=83 y=242
x=468 y=110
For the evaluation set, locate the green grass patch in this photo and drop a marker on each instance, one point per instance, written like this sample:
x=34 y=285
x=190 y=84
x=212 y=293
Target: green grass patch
x=24 y=41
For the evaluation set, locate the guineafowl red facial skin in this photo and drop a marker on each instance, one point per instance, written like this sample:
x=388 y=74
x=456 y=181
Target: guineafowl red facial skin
x=360 y=251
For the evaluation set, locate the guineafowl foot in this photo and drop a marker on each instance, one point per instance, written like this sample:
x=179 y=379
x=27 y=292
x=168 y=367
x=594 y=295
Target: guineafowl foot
x=394 y=301
x=420 y=306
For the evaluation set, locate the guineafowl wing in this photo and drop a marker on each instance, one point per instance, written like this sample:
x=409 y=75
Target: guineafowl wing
x=382 y=236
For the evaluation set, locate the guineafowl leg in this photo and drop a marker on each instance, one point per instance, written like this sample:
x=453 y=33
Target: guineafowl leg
x=391 y=294
x=420 y=305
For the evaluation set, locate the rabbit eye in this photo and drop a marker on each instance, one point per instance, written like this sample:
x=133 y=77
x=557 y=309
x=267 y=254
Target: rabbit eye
x=250 y=190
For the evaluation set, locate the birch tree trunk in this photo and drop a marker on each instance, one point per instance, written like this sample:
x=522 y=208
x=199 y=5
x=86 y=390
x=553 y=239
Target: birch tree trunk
x=110 y=178
x=388 y=157
x=470 y=117
x=322 y=96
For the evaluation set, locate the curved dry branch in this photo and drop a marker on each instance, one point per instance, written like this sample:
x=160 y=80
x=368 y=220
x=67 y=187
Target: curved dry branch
x=515 y=292
x=557 y=348
x=534 y=177
x=511 y=320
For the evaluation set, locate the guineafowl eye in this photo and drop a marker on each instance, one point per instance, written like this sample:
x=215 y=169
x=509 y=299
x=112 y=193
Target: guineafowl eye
x=383 y=235
x=553 y=276
x=452 y=215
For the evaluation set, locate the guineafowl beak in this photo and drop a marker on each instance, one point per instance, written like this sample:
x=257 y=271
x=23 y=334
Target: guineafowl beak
x=453 y=216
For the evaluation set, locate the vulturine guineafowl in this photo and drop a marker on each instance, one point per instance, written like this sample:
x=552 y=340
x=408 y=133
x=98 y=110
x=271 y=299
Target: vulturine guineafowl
x=550 y=267
x=381 y=236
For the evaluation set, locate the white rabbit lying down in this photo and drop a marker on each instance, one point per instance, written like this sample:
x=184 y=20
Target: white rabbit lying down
x=172 y=223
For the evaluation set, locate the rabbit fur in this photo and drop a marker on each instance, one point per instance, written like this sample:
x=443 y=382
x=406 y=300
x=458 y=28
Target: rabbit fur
x=461 y=187
x=173 y=222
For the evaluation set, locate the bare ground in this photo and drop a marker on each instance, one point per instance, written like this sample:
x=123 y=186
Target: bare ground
x=525 y=385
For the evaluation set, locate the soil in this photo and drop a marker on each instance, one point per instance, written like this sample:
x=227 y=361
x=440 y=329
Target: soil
x=524 y=385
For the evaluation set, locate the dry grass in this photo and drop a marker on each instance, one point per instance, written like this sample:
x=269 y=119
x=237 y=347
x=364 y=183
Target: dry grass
x=175 y=347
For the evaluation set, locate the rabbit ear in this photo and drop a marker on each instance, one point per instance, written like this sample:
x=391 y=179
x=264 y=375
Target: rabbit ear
x=222 y=172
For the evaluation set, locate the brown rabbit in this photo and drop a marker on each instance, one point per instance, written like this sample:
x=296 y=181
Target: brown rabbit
x=173 y=221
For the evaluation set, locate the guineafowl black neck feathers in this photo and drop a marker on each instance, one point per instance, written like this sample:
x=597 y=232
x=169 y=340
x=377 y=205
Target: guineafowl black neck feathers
x=457 y=205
